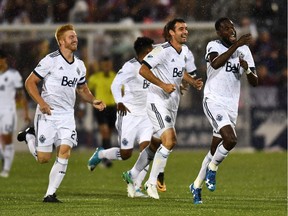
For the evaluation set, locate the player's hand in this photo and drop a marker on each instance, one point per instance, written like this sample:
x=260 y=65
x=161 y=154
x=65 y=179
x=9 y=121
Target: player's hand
x=169 y=88
x=45 y=108
x=244 y=40
x=243 y=63
x=198 y=84
x=122 y=109
x=98 y=104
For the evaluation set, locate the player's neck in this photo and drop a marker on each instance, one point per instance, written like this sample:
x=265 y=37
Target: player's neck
x=67 y=54
x=177 y=46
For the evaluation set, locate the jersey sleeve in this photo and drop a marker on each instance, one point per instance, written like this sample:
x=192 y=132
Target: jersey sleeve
x=190 y=62
x=82 y=79
x=249 y=58
x=44 y=67
x=124 y=75
x=212 y=46
x=155 y=57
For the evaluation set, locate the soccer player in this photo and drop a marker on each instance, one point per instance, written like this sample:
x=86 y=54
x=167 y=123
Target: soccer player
x=165 y=67
x=11 y=90
x=63 y=74
x=99 y=83
x=227 y=59
x=129 y=89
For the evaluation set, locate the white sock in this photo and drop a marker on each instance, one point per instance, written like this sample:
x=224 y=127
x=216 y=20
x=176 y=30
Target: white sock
x=57 y=174
x=202 y=173
x=111 y=154
x=220 y=154
x=31 y=142
x=159 y=163
x=144 y=159
x=8 y=153
x=141 y=177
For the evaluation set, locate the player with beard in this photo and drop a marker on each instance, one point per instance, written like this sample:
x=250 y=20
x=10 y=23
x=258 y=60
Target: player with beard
x=63 y=75
x=227 y=60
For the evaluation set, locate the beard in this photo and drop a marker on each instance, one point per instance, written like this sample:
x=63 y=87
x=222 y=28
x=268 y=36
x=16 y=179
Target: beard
x=72 y=47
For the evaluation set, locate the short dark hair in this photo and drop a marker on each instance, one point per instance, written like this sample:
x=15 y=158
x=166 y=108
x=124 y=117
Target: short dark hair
x=3 y=54
x=142 y=43
x=171 y=26
x=219 y=21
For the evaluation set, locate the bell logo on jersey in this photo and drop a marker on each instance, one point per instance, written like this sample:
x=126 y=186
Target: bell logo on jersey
x=145 y=84
x=234 y=68
x=67 y=82
x=177 y=73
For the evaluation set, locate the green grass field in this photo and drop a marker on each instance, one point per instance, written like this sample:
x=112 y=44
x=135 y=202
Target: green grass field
x=247 y=184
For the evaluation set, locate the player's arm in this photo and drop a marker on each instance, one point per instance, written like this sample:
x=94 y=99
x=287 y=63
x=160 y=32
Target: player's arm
x=21 y=97
x=32 y=89
x=88 y=97
x=250 y=72
x=196 y=83
x=147 y=74
x=117 y=91
x=218 y=61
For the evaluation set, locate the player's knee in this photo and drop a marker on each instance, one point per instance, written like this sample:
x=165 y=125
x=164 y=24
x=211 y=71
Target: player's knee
x=43 y=160
x=231 y=141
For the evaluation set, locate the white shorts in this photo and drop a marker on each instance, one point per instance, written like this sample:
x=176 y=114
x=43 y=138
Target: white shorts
x=54 y=132
x=133 y=130
x=218 y=115
x=161 y=118
x=8 y=121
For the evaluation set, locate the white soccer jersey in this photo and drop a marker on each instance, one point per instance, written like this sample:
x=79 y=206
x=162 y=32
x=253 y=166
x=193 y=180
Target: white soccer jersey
x=135 y=87
x=169 y=66
x=223 y=84
x=60 y=80
x=10 y=81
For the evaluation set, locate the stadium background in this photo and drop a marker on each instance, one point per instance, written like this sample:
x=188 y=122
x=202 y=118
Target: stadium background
x=110 y=27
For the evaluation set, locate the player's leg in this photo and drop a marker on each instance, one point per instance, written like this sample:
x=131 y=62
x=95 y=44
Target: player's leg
x=28 y=135
x=196 y=186
x=168 y=139
x=8 y=152
x=8 y=126
x=126 y=127
x=229 y=138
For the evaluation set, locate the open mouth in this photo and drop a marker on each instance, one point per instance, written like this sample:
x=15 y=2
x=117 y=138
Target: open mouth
x=233 y=37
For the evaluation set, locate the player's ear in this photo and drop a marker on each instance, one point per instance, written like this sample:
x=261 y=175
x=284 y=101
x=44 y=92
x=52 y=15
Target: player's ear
x=218 y=33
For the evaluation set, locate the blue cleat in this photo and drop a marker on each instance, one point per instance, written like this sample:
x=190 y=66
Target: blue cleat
x=94 y=159
x=210 y=180
x=196 y=192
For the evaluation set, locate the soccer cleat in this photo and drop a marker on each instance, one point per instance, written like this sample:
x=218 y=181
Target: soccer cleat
x=4 y=174
x=51 y=198
x=139 y=193
x=196 y=192
x=210 y=180
x=22 y=134
x=94 y=159
x=127 y=177
x=130 y=185
x=161 y=186
x=151 y=190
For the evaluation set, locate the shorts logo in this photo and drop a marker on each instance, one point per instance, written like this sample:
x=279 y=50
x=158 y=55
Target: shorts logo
x=124 y=141
x=219 y=117
x=168 y=119
x=42 y=138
